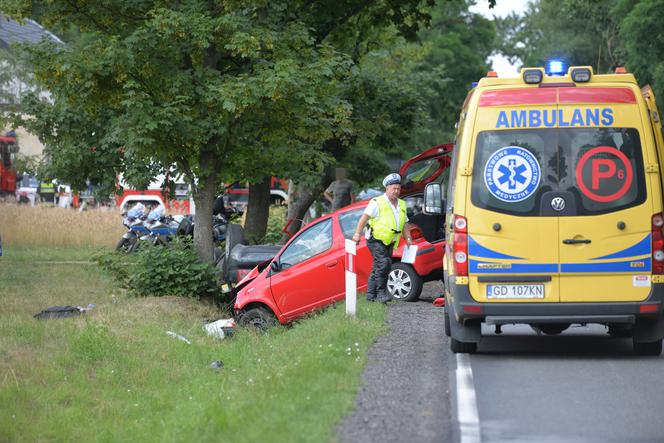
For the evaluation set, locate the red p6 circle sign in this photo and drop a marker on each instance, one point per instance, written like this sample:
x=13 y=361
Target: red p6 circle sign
x=604 y=174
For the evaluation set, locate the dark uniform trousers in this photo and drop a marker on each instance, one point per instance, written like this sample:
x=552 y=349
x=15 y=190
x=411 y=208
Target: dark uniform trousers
x=382 y=262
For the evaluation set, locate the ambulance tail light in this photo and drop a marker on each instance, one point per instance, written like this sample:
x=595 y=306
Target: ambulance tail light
x=657 y=244
x=460 y=246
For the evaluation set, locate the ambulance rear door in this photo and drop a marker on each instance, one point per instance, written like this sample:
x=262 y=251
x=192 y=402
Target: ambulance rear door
x=605 y=223
x=512 y=247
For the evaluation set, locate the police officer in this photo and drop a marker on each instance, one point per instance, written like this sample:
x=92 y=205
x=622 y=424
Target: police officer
x=47 y=191
x=387 y=219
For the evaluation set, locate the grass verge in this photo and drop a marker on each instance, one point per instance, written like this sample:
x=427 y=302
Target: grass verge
x=114 y=374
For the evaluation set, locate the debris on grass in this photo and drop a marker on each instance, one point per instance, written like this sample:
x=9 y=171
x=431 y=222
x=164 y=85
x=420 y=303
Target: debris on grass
x=62 y=312
x=221 y=328
x=217 y=365
x=178 y=336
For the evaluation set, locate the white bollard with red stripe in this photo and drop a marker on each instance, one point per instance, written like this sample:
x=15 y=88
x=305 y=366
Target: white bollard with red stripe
x=351 y=278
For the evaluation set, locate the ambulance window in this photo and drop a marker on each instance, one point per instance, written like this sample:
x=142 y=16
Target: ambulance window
x=512 y=169
x=601 y=169
x=605 y=168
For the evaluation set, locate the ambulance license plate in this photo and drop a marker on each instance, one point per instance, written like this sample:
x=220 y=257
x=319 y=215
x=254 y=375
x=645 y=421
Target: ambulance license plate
x=514 y=291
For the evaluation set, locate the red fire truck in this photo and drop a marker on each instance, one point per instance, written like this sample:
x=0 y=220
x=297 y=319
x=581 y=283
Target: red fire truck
x=8 y=149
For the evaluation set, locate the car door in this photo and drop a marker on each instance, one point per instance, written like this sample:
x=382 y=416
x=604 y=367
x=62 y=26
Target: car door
x=312 y=270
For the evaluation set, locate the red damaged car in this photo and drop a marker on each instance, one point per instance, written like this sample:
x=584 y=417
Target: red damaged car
x=308 y=272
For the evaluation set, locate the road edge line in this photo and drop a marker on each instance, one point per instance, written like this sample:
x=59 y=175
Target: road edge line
x=467 y=416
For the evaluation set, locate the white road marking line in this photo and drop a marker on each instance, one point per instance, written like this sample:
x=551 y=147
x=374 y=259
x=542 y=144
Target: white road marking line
x=469 y=421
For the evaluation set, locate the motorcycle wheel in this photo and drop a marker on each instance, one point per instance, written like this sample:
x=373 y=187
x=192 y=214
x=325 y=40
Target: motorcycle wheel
x=124 y=245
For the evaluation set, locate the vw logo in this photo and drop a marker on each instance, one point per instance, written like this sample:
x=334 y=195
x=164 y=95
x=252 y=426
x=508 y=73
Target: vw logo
x=558 y=204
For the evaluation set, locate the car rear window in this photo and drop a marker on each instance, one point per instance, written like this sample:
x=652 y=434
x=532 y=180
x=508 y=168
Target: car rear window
x=421 y=170
x=601 y=169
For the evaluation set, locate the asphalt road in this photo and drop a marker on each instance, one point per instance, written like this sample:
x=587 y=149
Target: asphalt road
x=580 y=386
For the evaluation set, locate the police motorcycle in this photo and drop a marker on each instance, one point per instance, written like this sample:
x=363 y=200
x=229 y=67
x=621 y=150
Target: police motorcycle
x=133 y=220
x=160 y=227
x=164 y=228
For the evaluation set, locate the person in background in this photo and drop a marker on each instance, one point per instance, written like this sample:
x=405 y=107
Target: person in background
x=386 y=215
x=46 y=191
x=340 y=192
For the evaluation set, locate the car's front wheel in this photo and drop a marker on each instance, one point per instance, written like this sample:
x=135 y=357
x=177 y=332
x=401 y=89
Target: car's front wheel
x=403 y=283
x=258 y=318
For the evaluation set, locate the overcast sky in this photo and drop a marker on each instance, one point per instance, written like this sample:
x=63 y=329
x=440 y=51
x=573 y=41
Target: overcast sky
x=502 y=8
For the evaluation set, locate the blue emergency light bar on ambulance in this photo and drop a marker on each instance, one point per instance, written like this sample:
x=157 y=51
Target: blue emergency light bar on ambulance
x=556 y=67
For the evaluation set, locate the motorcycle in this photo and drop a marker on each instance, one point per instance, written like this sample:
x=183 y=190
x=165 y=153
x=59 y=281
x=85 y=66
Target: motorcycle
x=163 y=229
x=133 y=221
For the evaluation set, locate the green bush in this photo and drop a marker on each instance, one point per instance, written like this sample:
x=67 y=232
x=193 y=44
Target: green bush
x=275 y=224
x=158 y=271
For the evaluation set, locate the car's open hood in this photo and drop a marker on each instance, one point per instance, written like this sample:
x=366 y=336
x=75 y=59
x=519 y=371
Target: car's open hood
x=424 y=168
x=251 y=276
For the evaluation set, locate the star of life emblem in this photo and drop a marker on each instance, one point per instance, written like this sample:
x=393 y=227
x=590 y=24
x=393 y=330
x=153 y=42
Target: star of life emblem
x=512 y=174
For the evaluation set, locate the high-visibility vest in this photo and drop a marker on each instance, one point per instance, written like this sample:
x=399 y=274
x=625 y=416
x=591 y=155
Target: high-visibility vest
x=384 y=227
x=46 y=188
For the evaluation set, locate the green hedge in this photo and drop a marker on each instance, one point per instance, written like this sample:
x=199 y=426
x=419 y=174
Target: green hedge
x=162 y=270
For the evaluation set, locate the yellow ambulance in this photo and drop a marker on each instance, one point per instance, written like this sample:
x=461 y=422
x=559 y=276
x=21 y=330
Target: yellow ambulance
x=554 y=207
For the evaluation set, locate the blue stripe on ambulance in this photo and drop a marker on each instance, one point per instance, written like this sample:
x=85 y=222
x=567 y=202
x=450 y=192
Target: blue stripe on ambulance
x=638 y=265
x=641 y=248
x=634 y=266
x=477 y=250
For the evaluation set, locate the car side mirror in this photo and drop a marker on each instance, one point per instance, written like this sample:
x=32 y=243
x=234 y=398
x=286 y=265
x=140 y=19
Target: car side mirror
x=433 y=200
x=275 y=266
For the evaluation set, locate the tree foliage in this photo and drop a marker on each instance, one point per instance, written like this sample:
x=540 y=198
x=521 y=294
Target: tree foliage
x=454 y=54
x=603 y=34
x=583 y=32
x=209 y=89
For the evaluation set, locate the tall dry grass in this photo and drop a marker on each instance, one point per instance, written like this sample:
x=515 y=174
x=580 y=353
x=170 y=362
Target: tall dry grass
x=22 y=225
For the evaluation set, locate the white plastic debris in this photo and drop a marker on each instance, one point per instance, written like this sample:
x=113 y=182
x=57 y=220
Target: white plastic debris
x=220 y=328
x=178 y=336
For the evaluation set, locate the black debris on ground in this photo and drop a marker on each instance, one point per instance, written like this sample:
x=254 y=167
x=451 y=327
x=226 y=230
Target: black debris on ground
x=405 y=387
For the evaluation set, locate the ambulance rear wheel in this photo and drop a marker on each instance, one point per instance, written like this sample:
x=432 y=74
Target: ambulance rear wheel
x=461 y=347
x=652 y=348
x=448 y=329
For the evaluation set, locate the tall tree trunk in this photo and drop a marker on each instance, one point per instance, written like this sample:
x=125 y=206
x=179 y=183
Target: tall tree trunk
x=300 y=197
x=258 y=210
x=204 y=199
